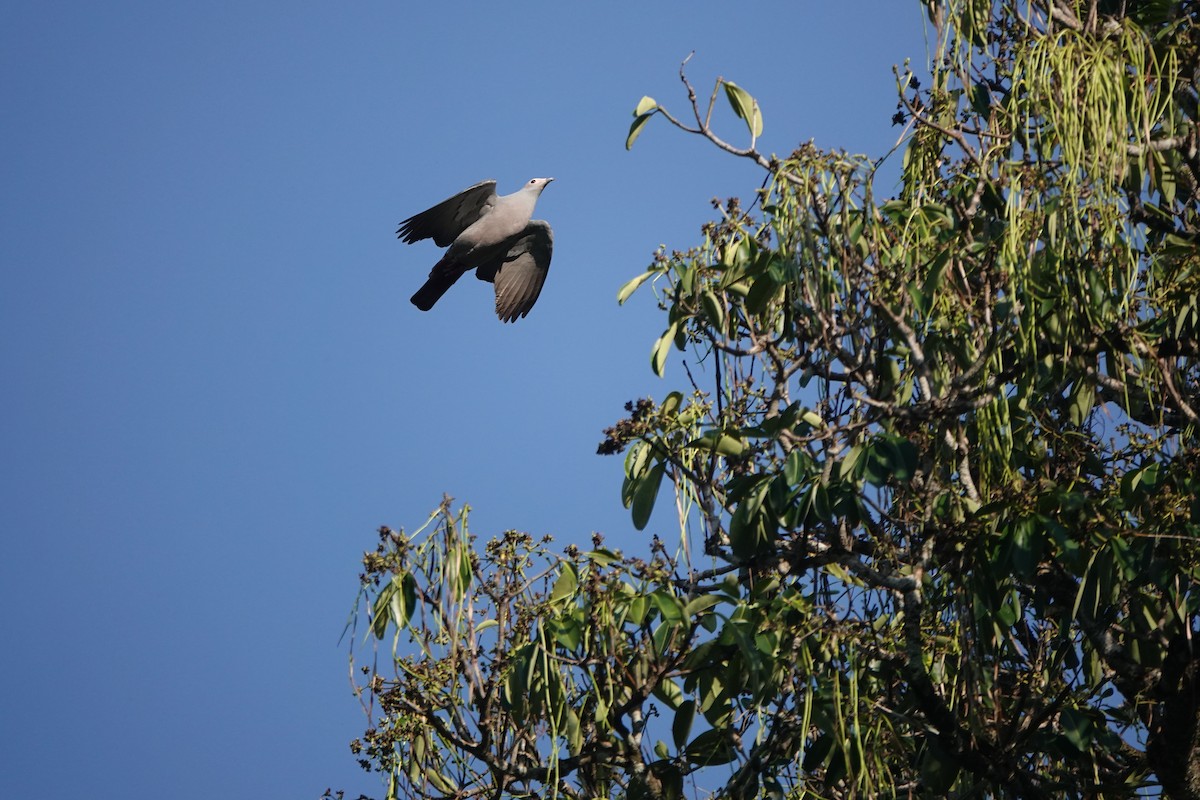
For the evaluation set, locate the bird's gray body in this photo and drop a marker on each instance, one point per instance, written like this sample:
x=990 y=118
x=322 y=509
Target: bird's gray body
x=491 y=234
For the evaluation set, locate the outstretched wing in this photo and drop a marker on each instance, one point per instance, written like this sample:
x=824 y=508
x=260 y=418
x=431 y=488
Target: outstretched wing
x=520 y=273
x=445 y=221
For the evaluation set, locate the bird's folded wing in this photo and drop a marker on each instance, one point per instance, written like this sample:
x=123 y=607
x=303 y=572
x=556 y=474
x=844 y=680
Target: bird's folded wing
x=520 y=273
x=445 y=221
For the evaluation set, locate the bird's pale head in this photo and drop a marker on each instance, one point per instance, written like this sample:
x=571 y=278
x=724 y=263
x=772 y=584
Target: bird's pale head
x=537 y=184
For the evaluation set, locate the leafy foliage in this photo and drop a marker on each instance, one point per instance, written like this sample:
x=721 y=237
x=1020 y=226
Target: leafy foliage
x=936 y=471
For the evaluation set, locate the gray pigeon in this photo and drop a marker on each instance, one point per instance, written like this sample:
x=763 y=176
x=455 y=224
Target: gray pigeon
x=492 y=235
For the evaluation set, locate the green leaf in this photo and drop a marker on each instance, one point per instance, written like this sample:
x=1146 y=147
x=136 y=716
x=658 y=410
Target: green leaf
x=681 y=337
x=574 y=731
x=516 y=683
x=663 y=637
x=700 y=604
x=1010 y=610
x=796 y=466
x=711 y=748
x=818 y=502
x=937 y=270
x=939 y=769
x=1026 y=541
x=638 y=607
x=890 y=457
x=816 y=754
x=569 y=633
x=1150 y=476
x=603 y=556
x=1167 y=183
x=645 y=106
x=636 y=461
x=713 y=310
x=686 y=285
x=736 y=254
x=672 y=403
x=719 y=443
x=681 y=727
x=669 y=692
x=631 y=286
x=745 y=106
x=980 y=99
x=645 y=494
x=767 y=643
x=440 y=782
x=565 y=586
x=712 y=695
x=1082 y=398
x=670 y=781
x=748 y=532
x=670 y=606
x=761 y=293
x=459 y=557
x=409 y=587
x=380 y=612
x=404 y=600
x=658 y=355
x=1077 y=729
x=636 y=128
x=466 y=571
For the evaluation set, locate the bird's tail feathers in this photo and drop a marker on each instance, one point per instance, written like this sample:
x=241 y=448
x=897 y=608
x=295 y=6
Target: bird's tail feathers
x=443 y=275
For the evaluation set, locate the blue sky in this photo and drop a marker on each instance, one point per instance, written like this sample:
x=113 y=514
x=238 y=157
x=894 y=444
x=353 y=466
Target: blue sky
x=214 y=387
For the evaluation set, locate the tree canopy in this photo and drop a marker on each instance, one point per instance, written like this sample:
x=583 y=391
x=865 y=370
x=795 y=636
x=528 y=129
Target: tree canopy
x=935 y=468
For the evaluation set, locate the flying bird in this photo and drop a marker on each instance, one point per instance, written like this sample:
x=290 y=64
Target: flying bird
x=491 y=234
